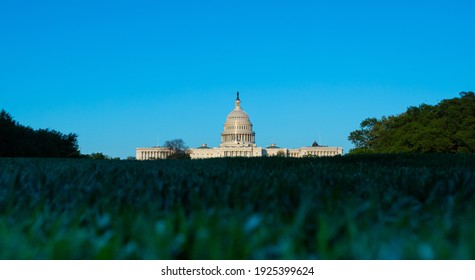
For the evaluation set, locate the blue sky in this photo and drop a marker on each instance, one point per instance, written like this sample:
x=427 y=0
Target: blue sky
x=121 y=73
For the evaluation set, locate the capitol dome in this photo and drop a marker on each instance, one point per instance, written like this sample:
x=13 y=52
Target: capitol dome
x=238 y=128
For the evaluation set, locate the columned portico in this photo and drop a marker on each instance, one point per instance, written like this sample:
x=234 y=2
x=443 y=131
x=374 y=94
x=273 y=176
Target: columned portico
x=152 y=153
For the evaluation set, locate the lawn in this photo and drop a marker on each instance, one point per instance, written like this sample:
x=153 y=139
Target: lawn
x=350 y=207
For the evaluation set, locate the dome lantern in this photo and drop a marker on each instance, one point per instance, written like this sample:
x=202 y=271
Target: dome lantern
x=238 y=102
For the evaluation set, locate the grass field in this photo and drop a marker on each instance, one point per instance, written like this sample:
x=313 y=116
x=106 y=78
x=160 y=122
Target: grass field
x=351 y=207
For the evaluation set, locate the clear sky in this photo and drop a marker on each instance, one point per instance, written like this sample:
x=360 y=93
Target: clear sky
x=121 y=73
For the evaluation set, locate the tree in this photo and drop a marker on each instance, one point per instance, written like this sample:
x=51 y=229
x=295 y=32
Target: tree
x=448 y=127
x=17 y=140
x=178 y=149
x=364 y=137
x=99 y=156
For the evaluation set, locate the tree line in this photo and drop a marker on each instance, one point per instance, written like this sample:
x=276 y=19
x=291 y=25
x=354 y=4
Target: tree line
x=17 y=140
x=448 y=127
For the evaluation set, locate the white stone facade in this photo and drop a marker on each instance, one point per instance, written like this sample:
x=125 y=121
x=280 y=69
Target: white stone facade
x=239 y=140
x=312 y=151
x=152 y=153
x=206 y=152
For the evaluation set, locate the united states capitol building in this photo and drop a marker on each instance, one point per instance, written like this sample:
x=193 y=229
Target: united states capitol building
x=239 y=140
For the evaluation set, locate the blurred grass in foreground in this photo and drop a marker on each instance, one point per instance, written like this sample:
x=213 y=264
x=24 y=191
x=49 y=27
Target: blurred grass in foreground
x=351 y=207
